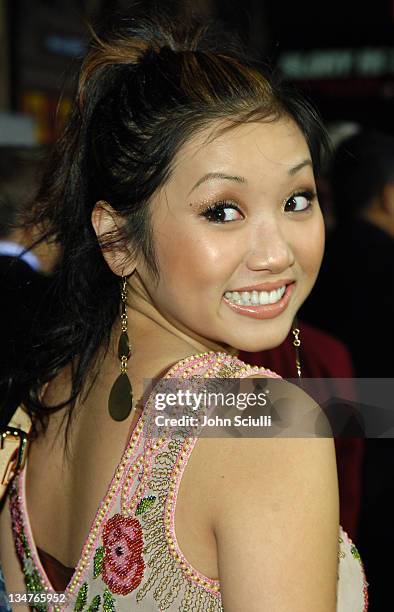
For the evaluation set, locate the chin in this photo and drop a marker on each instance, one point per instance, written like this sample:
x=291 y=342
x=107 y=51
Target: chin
x=263 y=341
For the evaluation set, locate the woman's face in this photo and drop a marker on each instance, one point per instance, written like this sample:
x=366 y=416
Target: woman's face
x=239 y=235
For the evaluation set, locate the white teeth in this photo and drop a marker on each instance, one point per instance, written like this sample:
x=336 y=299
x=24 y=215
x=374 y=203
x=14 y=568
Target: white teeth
x=264 y=297
x=255 y=297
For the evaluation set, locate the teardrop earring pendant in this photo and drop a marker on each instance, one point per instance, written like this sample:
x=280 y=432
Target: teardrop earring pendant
x=120 y=401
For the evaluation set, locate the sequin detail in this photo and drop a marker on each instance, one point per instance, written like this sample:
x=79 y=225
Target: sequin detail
x=354 y=552
x=145 y=504
x=82 y=597
x=170 y=576
x=33 y=581
x=98 y=561
x=341 y=553
x=131 y=558
x=123 y=564
x=108 y=601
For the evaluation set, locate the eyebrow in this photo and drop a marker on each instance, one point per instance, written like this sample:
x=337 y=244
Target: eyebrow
x=241 y=179
x=218 y=175
x=298 y=167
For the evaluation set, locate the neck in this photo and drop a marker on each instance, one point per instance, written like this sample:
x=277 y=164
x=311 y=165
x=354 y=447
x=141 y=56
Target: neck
x=144 y=316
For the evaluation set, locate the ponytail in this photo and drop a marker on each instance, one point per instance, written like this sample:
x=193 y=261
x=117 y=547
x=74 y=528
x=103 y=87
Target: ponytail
x=145 y=87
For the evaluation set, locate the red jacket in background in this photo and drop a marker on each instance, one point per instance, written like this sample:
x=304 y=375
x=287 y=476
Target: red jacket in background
x=323 y=356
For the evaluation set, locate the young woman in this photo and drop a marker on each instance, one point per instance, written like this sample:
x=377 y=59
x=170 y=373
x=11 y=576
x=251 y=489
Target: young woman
x=182 y=196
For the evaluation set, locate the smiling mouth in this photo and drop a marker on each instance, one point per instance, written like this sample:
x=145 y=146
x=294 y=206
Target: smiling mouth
x=255 y=298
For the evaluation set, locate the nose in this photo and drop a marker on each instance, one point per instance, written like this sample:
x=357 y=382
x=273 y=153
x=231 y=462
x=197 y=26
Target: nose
x=270 y=250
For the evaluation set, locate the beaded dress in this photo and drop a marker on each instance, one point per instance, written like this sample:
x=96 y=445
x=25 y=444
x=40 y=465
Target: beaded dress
x=131 y=559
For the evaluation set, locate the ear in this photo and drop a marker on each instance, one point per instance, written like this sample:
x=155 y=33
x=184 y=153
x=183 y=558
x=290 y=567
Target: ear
x=107 y=223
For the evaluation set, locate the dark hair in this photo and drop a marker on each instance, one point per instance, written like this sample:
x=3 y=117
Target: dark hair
x=19 y=180
x=145 y=87
x=361 y=166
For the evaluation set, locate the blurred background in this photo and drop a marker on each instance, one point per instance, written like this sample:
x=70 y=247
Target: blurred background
x=340 y=53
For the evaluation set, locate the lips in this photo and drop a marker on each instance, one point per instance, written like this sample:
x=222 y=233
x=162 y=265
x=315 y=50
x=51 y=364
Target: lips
x=268 y=286
x=267 y=311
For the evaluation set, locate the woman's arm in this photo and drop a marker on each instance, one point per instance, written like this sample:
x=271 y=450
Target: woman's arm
x=276 y=521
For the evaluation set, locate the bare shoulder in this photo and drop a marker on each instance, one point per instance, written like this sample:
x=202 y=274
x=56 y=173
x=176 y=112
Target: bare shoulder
x=276 y=521
x=294 y=412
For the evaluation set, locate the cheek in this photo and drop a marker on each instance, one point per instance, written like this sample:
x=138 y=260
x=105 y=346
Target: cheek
x=311 y=249
x=194 y=262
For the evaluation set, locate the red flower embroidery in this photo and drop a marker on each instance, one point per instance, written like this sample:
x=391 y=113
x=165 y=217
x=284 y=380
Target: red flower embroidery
x=123 y=564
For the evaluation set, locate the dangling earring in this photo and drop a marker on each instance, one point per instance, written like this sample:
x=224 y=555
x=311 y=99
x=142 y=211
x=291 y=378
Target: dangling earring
x=297 y=344
x=120 y=401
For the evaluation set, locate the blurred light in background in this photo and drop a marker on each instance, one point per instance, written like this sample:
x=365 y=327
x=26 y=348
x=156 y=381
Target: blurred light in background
x=340 y=54
x=17 y=130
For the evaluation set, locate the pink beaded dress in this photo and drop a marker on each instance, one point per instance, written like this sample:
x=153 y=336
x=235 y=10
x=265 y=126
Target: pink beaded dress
x=131 y=559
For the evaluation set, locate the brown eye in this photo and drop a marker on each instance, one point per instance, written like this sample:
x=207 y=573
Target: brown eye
x=299 y=202
x=222 y=212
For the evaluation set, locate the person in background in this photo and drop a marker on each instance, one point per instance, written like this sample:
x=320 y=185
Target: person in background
x=354 y=299
x=354 y=295
x=327 y=359
x=24 y=275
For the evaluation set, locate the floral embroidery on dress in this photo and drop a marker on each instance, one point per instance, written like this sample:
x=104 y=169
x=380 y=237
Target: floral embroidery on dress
x=82 y=598
x=341 y=553
x=144 y=504
x=123 y=565
x=32 y=577
x=346 y=544
x=170 y=575
x=133 y=560
x=355 y=553
x=108 y=601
